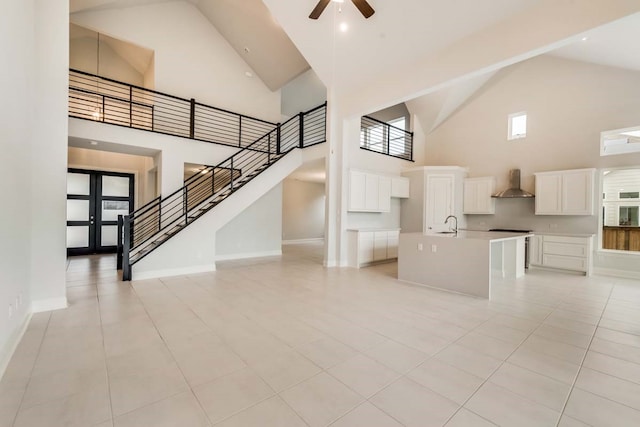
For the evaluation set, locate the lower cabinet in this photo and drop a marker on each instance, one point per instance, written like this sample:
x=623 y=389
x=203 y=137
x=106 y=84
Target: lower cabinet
x=562 y=252
x=367 y=246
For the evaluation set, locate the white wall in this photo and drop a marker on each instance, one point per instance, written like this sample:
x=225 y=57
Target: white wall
x=34 y=40
x=83 y=158
x=302 y=94
x=83 y=56
x=568 y=104
x=192 y=59
x=256 y=231
x=302 y=210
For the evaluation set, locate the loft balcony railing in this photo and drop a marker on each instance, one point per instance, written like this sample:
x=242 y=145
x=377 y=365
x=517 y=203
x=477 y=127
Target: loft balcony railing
x=101 y=99
x=383 y=138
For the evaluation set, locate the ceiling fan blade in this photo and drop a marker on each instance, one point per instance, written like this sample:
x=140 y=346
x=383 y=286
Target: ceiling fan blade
x=364 y=7
x=320 y=7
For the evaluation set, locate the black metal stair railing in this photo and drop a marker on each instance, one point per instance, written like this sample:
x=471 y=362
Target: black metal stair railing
x=150 y=226
x=105 y=100
x=383 y=138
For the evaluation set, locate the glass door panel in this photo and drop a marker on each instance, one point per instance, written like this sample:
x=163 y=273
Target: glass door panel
x=77 y=236
x=115 y=186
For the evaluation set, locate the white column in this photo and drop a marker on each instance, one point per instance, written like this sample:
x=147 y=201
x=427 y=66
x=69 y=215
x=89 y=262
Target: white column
x=48 y=167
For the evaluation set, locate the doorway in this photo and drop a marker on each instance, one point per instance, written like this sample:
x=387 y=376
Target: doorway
x=94 y=201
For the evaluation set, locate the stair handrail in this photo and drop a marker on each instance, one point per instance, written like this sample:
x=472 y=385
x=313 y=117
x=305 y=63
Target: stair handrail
x=306 y=124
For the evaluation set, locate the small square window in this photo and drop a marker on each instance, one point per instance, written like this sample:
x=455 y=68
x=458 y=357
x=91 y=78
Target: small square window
x=517 y=126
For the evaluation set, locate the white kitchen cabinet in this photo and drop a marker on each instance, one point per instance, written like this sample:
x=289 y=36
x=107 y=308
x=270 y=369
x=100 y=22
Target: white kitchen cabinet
x=565 y=192
x=369 y=192
x=366 y=245
x=357 y=190
x=564 y=252
x=535 y=250
x=384 y=194
x=400 y=187
x=477 y=195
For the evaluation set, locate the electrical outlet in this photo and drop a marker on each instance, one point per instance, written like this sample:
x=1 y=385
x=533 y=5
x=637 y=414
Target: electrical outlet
x=434 y=248
x=420 y=247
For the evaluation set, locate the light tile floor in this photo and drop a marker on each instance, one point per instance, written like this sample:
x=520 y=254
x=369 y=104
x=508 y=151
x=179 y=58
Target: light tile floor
x=286 y=342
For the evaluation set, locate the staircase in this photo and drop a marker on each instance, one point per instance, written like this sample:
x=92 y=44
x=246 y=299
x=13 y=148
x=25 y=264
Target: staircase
x=151 y=226
x=261 y=144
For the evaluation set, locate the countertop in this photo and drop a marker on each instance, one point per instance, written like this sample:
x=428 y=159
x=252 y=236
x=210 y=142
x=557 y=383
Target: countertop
x=491 y=236
x=373 y=229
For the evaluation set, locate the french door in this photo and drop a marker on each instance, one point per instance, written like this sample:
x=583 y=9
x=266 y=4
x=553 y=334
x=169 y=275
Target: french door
x=94 y=201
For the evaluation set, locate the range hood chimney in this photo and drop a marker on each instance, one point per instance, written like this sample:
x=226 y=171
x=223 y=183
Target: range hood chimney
x=514 y=191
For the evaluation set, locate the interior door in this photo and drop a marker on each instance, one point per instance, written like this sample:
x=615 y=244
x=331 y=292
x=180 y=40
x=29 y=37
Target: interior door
x=438 y=201
x=94 y=201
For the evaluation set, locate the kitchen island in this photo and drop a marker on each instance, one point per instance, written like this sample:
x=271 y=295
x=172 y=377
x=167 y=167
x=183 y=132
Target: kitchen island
x=464 y=262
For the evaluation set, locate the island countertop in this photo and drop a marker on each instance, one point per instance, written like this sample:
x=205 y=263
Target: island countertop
x=491 y=236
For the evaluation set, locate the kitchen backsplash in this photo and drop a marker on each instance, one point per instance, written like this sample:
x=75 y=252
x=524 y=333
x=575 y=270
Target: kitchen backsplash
x=519 y=214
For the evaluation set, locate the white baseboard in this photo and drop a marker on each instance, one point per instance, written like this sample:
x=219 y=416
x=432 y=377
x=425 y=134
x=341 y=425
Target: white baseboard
x=12 y=344
x=154 y=274
x=626 y=274
x=249 y=255
x=302 y=241
x=48 y=304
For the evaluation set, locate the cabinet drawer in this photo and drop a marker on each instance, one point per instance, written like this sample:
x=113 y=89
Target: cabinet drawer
x=565 y=262
x=553 y=248
x=567 y=239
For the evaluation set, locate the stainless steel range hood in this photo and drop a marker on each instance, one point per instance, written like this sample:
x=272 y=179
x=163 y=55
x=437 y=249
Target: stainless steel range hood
x=514 y=191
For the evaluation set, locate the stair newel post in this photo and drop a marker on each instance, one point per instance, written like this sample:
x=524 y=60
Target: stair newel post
x=119 y=244
x=126 y=248
x=411 y=147
x=130 y=106
x=192 y=119
x=231 y=170
x=240 y=131
x=213 y=181
x=388 y=140
x=159 y=215
x=278 y=135
x=301 y=130
x=269 y=150
x=185 y=205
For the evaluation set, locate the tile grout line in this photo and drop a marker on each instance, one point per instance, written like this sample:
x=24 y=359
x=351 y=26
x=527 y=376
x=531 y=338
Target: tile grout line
x=26 y=387
x=575 y=379
x=104 y=350
x=496 y=370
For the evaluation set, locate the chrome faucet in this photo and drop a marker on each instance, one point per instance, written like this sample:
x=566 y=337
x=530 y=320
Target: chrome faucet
x=455 y=229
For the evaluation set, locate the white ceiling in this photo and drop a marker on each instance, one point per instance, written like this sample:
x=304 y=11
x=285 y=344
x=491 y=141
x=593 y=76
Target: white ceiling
x=245 y=24
x=615 y=45
x=398 y=35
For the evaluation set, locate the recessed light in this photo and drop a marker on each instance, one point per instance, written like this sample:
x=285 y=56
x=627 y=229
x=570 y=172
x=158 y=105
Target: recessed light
x=344 y=27
x=93 y=142
x=584 y=39
x=248 y=74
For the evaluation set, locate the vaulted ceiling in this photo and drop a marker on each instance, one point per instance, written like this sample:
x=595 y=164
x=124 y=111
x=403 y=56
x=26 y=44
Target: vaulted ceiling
x=395 y=39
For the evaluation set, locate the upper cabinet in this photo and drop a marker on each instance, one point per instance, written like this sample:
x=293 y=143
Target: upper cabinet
x=400 y=187
x=370 y=192
x=477 y=195
x=567 y=192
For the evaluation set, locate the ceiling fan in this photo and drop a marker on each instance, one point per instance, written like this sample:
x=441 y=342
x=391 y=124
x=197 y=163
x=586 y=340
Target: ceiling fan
x=362 y=5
